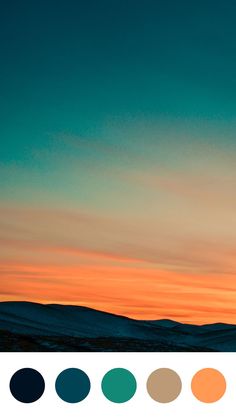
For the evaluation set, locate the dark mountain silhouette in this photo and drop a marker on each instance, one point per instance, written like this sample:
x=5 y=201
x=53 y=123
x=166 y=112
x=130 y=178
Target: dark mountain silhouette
x=26 y=326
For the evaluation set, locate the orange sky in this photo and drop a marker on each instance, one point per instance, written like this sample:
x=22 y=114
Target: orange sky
x=192 y=283
x=153 y=242
x=193 y=298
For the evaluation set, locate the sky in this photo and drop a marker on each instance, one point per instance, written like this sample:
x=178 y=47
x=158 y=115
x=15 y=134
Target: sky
x=118 y=156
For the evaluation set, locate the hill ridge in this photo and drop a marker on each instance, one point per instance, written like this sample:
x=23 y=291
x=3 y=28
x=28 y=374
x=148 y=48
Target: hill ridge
x=62 y=323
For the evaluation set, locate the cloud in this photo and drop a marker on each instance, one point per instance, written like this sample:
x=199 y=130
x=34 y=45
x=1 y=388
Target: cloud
x=123 y=290
x=175 y=244
x=152 y=238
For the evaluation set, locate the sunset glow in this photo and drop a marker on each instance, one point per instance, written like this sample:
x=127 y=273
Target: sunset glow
x=118 y=159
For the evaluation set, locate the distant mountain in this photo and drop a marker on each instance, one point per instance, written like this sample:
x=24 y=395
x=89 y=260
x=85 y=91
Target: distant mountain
x=26 y=326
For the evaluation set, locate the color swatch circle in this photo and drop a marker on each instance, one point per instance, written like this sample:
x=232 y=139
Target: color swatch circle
x=119 y=385
x=164 y=385
x=208 y=385
x=73 y=385
x=27 y=385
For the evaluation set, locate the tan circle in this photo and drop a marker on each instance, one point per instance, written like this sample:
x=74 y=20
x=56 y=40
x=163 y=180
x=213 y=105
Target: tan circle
x=164 y=385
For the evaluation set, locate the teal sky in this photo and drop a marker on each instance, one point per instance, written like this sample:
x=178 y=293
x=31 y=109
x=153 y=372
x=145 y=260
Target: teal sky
x=75 y=66
x=121 y=112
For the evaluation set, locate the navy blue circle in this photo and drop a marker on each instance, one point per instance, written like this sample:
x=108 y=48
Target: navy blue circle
x=27 y=385
x=73 y=385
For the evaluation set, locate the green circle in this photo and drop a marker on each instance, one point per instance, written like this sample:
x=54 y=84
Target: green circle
x=119 y=385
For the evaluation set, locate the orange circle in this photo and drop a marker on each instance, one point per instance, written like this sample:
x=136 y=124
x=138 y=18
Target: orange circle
x=208 y=385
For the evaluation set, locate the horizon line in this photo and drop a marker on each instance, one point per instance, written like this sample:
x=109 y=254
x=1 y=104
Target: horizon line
x=113 y=314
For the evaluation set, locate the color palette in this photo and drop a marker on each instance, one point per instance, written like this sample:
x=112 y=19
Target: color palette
x=119 y=385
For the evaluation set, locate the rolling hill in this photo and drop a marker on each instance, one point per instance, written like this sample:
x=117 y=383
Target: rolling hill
x=26 y=326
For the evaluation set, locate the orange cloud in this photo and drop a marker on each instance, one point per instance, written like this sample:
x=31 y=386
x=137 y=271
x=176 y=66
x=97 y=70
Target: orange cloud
x=134 y=292
x=168 y=251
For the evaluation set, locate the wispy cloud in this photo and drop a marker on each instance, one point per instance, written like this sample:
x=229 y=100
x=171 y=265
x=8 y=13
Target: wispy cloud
x=123 y=290
x=154 y=237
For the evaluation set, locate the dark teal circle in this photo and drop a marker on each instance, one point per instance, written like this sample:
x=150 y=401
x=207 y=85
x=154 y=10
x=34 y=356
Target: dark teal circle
x=119 y=385
x=73 y=385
